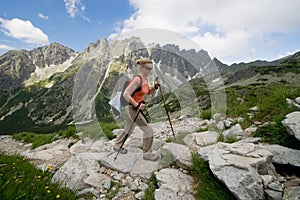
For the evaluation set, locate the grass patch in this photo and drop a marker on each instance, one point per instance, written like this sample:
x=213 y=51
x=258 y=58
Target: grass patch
x=228 y=139
x=21 y=180
x=206 y=114
x=113 y=190
x=270 y=99
x=178 y=138
x=149 y=192
x=276 y=133
x=42 y=139
x=34 y=138
x=208 y=187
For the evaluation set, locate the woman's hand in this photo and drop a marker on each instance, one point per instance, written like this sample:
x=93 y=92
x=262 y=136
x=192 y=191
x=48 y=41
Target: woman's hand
x=156 y=84
x=141 y=107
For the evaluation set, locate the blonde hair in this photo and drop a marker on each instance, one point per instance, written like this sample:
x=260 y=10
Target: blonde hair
x=143 y=61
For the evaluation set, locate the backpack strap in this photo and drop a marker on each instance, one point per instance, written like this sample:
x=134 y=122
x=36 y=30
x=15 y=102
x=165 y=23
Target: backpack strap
x=139 y=87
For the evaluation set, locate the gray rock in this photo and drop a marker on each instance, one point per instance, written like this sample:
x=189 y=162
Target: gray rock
x=267 y=179
x=292 y=124
x=291 y=103
x=196 y=140
x=181 y=153
x=235 y=130
x=140 y=195
x=273 y=195
x=124 y=162
x=98 y=180
x=54 y=154
x=297 y=100
x=144 y=168
x=167 y=194
x=173 y=184
x=238 y=166
x=283 y=155
x=73 y=173
x=291 y=193
x=276 y=187
x=89 y=192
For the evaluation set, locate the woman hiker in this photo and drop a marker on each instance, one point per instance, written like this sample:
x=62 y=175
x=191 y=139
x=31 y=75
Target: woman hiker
x=136 y=104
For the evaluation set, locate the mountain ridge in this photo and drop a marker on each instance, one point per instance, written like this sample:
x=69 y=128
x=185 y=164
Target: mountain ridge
x=40 y=98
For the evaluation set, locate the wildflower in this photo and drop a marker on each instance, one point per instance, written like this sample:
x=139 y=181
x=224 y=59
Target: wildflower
x=46 y=187
x=49 y=167
x=48 y=191
x=39 y=177
x=1 y=174
x=58 y=196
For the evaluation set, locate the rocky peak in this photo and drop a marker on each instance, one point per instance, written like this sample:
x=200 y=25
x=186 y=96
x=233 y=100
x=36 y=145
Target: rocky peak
x=15 y=67
x=54 y=53
x=94 y=50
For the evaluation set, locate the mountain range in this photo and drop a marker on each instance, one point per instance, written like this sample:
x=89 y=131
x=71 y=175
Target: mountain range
x=48 y=88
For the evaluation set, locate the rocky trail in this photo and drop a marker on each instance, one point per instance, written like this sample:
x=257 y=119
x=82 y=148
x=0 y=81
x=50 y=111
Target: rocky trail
x=246 y=167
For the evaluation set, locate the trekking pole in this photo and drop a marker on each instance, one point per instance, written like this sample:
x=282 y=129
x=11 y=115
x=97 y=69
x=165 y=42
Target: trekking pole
x=164 y=102
x=127 y=134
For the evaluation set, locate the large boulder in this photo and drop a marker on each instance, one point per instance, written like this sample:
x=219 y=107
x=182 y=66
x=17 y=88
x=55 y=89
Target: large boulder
x=173 y=185
x=239 y=166
x=292 y=124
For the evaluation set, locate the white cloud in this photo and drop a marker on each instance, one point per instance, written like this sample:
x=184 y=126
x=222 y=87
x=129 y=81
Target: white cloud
x=41 y=15
x=76 y=7
x=224 y=28
x=24 y=31
x=5 y=47
x=72 y=7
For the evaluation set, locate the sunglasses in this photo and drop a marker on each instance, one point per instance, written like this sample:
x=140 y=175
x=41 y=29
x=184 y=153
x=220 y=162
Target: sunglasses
x=148 y=68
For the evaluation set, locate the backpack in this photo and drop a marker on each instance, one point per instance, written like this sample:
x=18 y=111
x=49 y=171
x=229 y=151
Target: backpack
x=123 y=101
x=118 y=101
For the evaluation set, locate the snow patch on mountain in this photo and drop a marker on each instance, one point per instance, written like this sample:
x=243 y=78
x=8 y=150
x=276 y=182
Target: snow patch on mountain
x=43 y=73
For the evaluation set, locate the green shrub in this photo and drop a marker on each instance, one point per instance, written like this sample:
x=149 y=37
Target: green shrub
x=206 y=114
x=108 y=128
x=69 y=132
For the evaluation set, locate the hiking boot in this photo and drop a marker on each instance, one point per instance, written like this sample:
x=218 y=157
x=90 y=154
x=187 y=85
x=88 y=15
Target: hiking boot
x=121 y=150
x=151 y=156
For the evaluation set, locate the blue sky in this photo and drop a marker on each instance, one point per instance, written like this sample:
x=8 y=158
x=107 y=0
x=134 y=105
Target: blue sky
x=231 y=30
